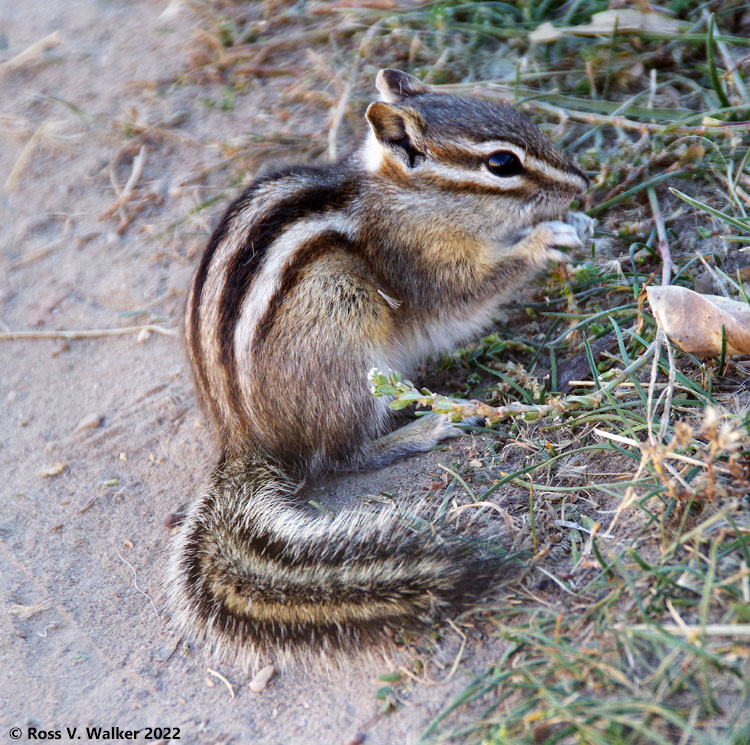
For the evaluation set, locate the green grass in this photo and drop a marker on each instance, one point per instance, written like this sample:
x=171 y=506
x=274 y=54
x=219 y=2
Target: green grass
x=630 y=624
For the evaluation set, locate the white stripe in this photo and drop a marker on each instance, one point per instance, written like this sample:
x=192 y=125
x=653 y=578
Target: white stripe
x=372 y=153
x=209 y=328
x=530 y=162
x=266 y=283
x=488 y=147
x=483 y=177
x=479 y=176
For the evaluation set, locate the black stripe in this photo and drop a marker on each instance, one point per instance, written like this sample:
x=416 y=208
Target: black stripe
x=463 y=579
x=193 y=325
x=217 y=517
x=324 y=193
x=533 y=182
x=201 y=274
x=262 y=586
x=267 y=636
x=305 y=255
x=353 y=552
x=418 y=595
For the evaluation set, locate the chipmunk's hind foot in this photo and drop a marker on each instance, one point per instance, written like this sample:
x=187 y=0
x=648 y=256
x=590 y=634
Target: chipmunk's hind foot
x=416 y=437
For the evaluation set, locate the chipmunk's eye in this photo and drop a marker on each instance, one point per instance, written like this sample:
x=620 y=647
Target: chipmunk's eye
x=504 y=163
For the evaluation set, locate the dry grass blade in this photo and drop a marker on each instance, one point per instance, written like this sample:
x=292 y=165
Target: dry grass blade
x=125 y=193
x=39 y=253
x=25 y=155
x=29 y=611
x=219 y=676
x=86 y=333
x=31 y=53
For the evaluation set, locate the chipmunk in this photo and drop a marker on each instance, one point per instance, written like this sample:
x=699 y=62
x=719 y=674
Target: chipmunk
x=314 y=276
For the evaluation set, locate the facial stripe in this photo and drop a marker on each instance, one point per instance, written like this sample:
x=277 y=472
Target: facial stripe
x=465 y=170
x=571 y=176
x=474 y=187
x=465 y=160
x=480 y=180
x=462 y=150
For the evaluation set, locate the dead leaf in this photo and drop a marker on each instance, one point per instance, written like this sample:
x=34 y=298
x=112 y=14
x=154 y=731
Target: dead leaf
x=90 y=421
x=53 y=469
x=261 y=680
x=694 y=321
x=628 y=21
x=27 y=611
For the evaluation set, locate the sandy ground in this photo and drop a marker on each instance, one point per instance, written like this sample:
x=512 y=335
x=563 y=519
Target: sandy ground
x=84 y=551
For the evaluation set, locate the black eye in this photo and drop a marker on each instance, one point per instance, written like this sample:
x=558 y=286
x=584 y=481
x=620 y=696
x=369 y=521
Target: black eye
x=503 y=163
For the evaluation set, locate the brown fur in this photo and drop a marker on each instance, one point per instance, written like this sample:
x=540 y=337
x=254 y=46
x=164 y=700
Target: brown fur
x=313 y=277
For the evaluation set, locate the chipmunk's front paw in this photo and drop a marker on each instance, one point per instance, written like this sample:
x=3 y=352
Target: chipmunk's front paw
x=545 y=239
x=583 y=224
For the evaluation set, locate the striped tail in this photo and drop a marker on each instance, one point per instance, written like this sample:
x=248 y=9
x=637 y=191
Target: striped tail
x=257 y=575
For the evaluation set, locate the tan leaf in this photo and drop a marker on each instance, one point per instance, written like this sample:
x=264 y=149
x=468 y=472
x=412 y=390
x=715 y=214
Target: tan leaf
x=27 y=611
x=693 y=321
x=90 y=421
x=261 y=680
x=628 y=20
x=53 y=469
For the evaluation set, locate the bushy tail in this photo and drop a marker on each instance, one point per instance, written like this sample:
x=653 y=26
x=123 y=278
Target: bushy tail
x=255 y=572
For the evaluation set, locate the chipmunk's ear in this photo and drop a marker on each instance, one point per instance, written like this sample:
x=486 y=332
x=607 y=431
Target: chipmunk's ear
x=399 y=131
x=395 y=86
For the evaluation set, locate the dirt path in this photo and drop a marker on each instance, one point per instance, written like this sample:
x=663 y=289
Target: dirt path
x=85 y=550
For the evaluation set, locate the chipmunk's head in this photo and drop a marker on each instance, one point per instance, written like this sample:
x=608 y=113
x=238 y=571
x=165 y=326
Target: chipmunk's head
x=463 y=145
